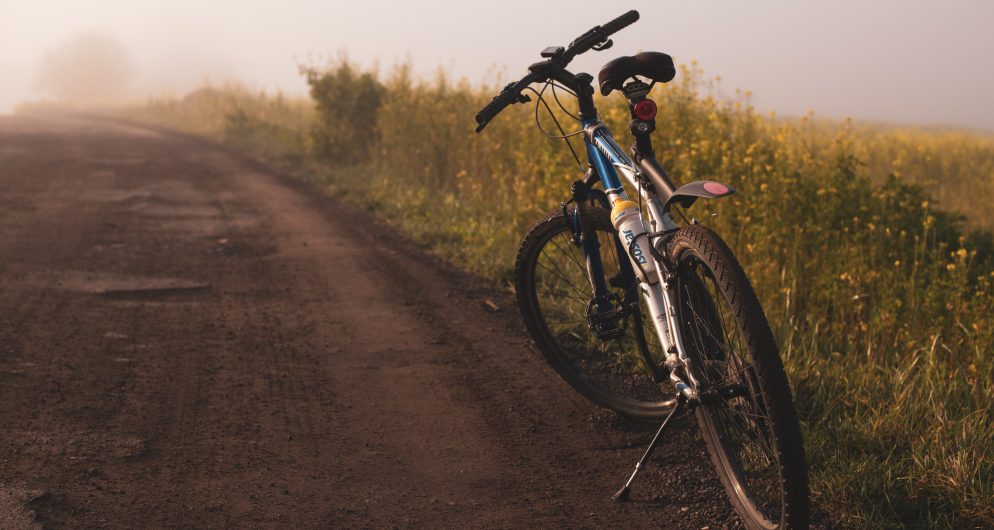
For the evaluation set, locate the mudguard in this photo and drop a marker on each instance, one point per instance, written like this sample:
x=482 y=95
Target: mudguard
x=688 y=193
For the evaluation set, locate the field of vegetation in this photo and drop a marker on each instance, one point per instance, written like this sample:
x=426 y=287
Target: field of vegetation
x=868 y=244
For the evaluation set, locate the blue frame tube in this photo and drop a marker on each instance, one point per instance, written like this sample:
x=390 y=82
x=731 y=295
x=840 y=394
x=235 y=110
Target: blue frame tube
x=604 y=154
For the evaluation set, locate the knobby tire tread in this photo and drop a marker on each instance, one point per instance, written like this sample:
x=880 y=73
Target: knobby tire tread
x=761 y=346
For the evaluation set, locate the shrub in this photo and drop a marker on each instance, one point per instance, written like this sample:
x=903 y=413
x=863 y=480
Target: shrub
x=348 y=102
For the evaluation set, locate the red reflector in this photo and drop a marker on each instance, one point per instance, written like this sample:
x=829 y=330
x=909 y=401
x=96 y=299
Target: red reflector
x=645 y=110
x=715 y=188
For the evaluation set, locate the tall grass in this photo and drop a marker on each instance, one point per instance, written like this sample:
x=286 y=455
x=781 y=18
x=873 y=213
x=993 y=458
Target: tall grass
x=271 y=126
x=880 y=296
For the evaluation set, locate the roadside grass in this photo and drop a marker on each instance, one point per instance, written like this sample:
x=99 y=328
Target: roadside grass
x=880 y=295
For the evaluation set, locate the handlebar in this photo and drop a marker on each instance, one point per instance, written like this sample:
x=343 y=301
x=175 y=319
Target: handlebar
x=596 y=38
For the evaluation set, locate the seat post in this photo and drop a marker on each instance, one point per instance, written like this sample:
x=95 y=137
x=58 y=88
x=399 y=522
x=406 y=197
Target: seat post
x=643 y=112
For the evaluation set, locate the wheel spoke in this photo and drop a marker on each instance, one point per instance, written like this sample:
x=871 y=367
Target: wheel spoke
x=568 y=252
x=558 y=273
x=613 y=368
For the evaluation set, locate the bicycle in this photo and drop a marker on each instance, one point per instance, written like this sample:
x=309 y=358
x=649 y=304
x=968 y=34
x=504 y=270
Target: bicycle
x=591 y=278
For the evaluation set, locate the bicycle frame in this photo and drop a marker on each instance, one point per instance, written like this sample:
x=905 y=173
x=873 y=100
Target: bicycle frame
x=607 y=159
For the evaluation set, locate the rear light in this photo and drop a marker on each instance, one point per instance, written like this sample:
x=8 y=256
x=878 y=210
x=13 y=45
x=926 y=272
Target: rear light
x=645 y=110
x=715 y=188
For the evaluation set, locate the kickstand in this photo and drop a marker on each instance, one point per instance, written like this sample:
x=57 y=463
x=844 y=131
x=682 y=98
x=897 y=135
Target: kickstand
x=622 y=494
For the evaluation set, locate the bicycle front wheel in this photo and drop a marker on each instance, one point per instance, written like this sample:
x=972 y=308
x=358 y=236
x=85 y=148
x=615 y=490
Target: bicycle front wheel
x=747 y=417
x=555 y=297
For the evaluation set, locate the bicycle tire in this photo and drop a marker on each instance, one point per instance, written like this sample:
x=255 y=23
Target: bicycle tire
x=759 y=427
x=610 y=376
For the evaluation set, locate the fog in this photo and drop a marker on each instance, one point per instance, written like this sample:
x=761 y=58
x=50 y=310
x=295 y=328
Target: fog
x=888 y=60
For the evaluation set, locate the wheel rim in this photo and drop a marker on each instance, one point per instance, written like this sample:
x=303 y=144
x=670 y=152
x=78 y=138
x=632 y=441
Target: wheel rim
x=740 y=427
x=612 y=368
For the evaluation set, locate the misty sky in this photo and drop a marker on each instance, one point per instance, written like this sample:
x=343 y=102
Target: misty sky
x=891 y=60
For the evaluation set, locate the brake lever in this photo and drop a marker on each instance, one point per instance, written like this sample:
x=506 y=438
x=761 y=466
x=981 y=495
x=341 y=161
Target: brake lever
x=518 y=98
x=603 y=46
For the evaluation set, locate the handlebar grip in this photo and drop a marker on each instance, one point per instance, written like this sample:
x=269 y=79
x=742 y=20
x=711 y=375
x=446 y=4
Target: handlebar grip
x=621 y=22
x=510 y=94
x=492 y=109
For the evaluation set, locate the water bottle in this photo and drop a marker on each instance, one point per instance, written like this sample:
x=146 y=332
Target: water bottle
x=627 y=220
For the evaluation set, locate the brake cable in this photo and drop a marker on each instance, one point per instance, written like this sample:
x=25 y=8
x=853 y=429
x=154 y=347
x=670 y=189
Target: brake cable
x=564 y=136
x=561 y=106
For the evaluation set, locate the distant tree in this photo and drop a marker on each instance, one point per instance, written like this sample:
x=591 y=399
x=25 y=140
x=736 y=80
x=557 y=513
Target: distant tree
x=89 y=66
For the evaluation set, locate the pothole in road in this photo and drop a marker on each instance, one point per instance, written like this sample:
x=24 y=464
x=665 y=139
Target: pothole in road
x=177 y=211
x=121 y=161
x=127 y=287
x=227 y=247
x=114 y=195
x=159 y=291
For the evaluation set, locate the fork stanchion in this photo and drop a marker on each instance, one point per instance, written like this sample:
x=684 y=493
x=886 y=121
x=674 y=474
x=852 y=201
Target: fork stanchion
x=622 y=494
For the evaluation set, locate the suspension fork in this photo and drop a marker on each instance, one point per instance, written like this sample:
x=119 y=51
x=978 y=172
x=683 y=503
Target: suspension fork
x=629 y=282
x=588 y=239
x=589 y=242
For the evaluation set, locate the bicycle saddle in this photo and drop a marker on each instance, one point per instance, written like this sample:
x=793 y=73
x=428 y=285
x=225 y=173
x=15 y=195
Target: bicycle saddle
x=654 y=65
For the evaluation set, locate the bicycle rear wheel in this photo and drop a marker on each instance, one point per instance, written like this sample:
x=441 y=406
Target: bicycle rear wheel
x=747 y=417
x=555 y=298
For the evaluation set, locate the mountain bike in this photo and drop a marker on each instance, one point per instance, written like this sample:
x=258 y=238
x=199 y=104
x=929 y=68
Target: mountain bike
x=646 y=313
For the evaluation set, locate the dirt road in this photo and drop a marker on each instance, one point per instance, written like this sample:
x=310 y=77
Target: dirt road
x=189 y=340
